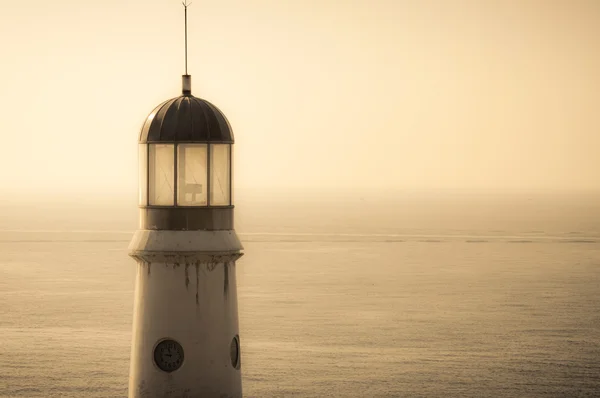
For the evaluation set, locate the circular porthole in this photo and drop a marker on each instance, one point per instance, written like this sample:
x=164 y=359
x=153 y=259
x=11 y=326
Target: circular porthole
x=168 y=355
x=234 y=352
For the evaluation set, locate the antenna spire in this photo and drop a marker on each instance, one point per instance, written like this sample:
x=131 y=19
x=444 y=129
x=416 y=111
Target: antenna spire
x=185 y=6
x=186 y=79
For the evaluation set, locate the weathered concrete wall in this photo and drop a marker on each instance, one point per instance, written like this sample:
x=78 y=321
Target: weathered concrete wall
x=189 y=296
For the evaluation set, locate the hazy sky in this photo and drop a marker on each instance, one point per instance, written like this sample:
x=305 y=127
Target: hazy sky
x=325 y=94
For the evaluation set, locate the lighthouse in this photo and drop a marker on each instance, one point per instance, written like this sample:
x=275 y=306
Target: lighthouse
x=185 y=339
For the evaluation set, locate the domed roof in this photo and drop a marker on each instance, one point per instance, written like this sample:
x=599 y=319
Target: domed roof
x=186 y=119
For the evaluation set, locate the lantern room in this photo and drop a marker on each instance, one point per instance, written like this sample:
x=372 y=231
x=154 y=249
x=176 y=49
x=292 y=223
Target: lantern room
x=185 y=155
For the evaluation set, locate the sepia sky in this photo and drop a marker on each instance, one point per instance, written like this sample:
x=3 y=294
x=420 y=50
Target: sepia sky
x=362 y=96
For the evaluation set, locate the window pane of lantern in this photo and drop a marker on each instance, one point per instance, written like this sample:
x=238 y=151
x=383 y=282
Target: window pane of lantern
x=231 y=198
x=219 y=175
x=162 y=170
x=143 y=174
x=191 y=174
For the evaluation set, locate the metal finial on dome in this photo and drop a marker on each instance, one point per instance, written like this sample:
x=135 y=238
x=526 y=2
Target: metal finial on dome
x=186 y=85
x=186 y=81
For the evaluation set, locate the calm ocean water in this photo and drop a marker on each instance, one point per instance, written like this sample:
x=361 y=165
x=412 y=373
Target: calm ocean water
x=452 y=298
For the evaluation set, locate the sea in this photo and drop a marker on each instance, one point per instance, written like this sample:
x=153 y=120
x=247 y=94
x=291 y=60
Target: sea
x=414 y=295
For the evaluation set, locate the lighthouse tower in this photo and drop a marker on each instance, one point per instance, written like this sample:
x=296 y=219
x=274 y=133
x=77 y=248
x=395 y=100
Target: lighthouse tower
x=185 y=327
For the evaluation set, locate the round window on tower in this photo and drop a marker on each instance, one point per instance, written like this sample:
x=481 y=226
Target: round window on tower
x=168 y=355
x=234 y=352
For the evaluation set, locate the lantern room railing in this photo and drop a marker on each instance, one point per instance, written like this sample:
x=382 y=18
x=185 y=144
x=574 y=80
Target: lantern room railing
x=185 y=175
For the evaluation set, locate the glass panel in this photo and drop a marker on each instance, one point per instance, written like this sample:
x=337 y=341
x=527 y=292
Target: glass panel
x=191 y=175
x=219 y=175
x=162 y=169
x=231 y=157
x=143 y=174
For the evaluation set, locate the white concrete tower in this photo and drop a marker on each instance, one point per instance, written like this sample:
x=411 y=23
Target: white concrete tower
x=185 y=326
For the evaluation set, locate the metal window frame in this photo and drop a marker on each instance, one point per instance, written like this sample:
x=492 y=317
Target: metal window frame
x=175 y=176
x=209 y=149
x=209 y=146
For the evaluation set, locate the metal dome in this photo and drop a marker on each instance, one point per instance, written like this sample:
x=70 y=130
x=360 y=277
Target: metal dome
x=186 y=119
